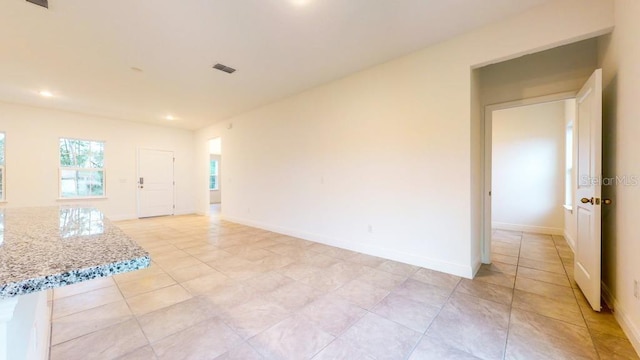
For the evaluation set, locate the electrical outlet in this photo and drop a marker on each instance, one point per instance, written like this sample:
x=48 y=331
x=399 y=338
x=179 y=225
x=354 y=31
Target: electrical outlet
x=636 y=291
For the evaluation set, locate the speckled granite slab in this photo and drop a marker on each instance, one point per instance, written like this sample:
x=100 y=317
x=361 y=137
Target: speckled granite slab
x=42 y=248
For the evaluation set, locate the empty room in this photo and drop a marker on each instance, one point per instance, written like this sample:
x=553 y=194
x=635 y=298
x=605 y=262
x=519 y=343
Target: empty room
x=319 y=179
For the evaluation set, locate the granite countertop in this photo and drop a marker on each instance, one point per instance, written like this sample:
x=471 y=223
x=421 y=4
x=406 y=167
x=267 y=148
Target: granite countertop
x=47 y=247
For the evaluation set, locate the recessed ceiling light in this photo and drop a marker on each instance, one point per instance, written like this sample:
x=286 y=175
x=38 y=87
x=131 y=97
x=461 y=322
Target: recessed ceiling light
x=45 y=93
x=169 y=117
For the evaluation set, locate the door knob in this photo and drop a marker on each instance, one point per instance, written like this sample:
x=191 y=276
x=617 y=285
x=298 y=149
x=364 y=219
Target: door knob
x=585 y=200
x=607 y=201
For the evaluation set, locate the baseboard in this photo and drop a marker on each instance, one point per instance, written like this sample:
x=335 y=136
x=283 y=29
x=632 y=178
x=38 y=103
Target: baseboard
x=184 y=212
x=629 y=328
x=570 y=241
x=477 y=263
x=374 y=250
x=122 y=217
x=528 y=228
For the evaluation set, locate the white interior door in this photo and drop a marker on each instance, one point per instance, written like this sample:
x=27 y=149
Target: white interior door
x=155 y=183
x=588 y=136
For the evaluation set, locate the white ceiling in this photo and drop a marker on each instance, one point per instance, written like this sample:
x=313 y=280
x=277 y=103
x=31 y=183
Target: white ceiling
x=83 y=50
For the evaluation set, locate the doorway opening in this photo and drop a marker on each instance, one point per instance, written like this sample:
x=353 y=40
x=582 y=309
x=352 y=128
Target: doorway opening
x=581 y=121
x=528 y=169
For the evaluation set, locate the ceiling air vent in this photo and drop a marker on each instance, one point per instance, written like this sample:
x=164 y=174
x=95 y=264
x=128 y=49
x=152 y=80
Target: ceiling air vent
x=43 y=3
x=228 y=70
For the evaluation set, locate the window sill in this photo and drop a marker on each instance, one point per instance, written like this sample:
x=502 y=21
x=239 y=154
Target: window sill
x=83 y=198
x=568 y=207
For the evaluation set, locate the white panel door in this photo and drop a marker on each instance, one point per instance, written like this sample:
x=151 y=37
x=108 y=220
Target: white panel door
x=588 y=130
x=155 y=183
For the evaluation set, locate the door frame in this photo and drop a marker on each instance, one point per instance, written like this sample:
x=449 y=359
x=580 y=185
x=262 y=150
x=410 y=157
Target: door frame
x=486 y=128
x=173 y=175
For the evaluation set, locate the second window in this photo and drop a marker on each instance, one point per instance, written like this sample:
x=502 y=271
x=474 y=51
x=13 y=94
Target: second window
x=81 y=168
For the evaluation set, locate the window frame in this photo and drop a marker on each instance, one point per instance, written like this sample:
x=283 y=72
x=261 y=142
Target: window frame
x=568 y=183
x=83 y=169
x=3 y=169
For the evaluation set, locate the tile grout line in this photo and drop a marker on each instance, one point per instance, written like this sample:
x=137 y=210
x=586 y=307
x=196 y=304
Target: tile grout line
x=339 y=335
x=50 y=324
x=575 y=298
x=513 y=295
x=135 y=317
x=424 y=334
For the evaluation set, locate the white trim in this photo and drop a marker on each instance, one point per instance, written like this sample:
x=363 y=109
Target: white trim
x=122 y=217
x=3 y=182
x=533 y=101
x=627 y=325
x=528 y=228
x=570 y=241
x=177 y=212
x=476 y=264
x=568 y=207
x=463 y=270
x=3 y=165
x=485 y=239
x=83 y=198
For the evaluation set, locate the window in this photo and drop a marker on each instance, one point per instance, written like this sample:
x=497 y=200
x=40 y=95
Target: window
x=568 y=189
x=2 y=171
x=81 y=168
x=213 y=175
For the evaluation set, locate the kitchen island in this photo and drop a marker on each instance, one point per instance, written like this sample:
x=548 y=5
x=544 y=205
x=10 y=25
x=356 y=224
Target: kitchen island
x=48 y=247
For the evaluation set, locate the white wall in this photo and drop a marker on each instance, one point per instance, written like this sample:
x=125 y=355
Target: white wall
x=528 y=168
x=620 y=60
x=215 y=196
x=389 y=147
x=32 y=157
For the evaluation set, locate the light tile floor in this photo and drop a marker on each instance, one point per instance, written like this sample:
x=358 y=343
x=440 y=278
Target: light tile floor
x=218 y=290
